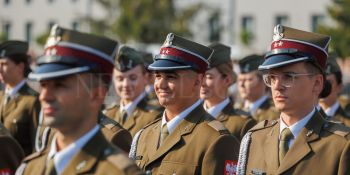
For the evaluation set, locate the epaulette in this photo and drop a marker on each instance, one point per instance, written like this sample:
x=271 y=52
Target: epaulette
x=263 y=124
x=336 y=128
x=153 y=122
x=118 y=158
x=242 y=113
x=218 y=126
x=33 y=156
x=111 y=106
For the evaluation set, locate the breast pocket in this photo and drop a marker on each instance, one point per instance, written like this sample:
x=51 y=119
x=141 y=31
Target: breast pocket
x=177 y=168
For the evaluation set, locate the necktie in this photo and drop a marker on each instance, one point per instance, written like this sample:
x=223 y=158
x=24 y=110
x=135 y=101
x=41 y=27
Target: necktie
x=7 y=98
x=163 y=134
x=123 y=117
x=285 y=137
x=50 y=167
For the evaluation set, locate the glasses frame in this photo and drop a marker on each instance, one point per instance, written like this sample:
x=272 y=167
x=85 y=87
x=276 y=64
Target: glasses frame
x=291 y=74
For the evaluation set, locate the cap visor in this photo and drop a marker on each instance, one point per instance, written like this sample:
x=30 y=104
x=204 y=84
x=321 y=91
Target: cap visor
x=163 y=64
x=50 y=71
x=279 y=61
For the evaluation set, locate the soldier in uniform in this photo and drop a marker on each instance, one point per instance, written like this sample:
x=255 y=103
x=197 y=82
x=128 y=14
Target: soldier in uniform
x=253 y=91
x=20 y=105
x=130 y=79
x=330 y=104
x=11 y=153
x=186 y=140
x=214 y=91
x=74 y=75
x=301 y=141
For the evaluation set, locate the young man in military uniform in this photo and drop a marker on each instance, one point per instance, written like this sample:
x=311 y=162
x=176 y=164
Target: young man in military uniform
x=11 y=153
x=130 y=79
x=74 y=75
x=186 y=140
x=253 y=91
x=214 y=91
x=330 y=104
x=20 y=106
x=301 y=141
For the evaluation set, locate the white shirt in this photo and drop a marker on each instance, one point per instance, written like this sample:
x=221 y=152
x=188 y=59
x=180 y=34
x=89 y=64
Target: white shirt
x=296 y=127
x=13 y=91
x=177 y=119
x=215 y=110
x=130 y=107
x=331 y=111
x=63 y=157
x=254 y=106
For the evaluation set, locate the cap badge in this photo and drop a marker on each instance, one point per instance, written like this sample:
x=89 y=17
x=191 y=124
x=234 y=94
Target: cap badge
x=278 y=33
x=169 y=39
x=54 y=37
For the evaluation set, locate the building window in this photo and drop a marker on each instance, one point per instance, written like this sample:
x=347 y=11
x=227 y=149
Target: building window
x=316 y=21
x=75 y=25
x=29 y=30
x=282 y=19
x=214 y=27
x=6 y=30
x=247 y=30
x=50 y=1
x=7 y=2
x=28 y=1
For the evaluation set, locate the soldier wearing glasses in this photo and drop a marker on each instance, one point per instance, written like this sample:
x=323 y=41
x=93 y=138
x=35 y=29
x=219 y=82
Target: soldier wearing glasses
x=301 y=141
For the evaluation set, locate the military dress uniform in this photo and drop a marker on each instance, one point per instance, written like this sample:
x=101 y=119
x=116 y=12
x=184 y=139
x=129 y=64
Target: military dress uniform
x=141 y=116
x=339 y=115
x=198 y=144
x=19 y=112
x=68 y=52
x=236 y=121
x=111 y=129
x=98 y=157
x=321 y=147
x=266 y=110
x=11 y=153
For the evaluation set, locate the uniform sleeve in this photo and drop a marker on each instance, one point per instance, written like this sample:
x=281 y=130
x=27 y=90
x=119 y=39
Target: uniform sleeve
x=11 y=154
x=344 y=167
x=250 y=123
x=122 y=139
x=221 y=157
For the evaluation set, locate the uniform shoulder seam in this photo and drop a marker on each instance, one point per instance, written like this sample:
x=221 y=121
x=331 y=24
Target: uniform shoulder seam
x=263 y=124
x=337 y=128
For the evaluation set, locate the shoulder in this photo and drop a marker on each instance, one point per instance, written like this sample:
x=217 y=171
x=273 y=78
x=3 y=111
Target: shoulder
x=337 y=129
x=265 y=124
x=111 y=107
x=118 y=159
x=109 y=123
x=218 y=126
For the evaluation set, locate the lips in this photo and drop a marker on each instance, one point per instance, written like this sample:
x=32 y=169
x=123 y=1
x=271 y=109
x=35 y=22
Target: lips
x=49 y=111
x=280 y=98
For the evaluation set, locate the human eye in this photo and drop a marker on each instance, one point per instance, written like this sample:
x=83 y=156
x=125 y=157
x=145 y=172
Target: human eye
x=133 y=77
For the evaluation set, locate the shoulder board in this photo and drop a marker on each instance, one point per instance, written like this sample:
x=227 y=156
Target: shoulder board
x=218 y=126
x=111 y=106
x=107 y=122
x=118 y=158
x=336 y=128
x=264 y=124
x=33 y=156
x=242 y=113
x=153 y=122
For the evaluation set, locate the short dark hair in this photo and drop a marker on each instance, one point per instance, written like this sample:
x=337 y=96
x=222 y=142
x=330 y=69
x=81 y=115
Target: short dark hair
x=338 y=77
x=22 y=58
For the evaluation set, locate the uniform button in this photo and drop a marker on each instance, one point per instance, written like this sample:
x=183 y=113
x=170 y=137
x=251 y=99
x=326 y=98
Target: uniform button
x=309 y=133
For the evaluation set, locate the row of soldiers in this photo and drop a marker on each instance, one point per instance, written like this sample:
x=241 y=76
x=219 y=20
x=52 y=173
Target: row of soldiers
x=181 y=119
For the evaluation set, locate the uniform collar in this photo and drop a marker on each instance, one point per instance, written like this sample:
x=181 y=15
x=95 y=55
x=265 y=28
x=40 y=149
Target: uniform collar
x=298 y=126
x=255 y=105
x=177 y=119
x=13 y=91
x=130 y=107
x=332 y=110
x=215 y=110
x=63 y=157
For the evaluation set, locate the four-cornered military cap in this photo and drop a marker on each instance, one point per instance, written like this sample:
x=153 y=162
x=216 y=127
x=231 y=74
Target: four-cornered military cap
x=221 y=54
x=250 y=63
x=69 y=52
x=291 y=45
x=13 y=47
x=179 y=53
x=127 y=58
x=332 y=65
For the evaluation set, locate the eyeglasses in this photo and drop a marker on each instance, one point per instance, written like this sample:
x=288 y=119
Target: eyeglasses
x=286 y=79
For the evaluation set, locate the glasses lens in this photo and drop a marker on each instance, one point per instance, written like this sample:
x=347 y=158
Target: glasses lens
x=287 y=80
x=267 y=80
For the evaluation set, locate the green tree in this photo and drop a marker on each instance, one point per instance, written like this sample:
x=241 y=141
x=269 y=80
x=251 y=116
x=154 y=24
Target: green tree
x=340 y=33
x=146 y=21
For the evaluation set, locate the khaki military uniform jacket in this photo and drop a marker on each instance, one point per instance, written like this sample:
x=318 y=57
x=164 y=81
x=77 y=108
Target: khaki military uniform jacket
x=339 y=116
x=20 y=117
x=142 y=115
x=98 y=157
x=236 y=121
x=266 y=111
x=111 y=129
x=11 y=153
x=198 y=145
x=322 y=147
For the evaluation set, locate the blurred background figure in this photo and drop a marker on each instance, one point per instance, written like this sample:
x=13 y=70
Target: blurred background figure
x=253 y=91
